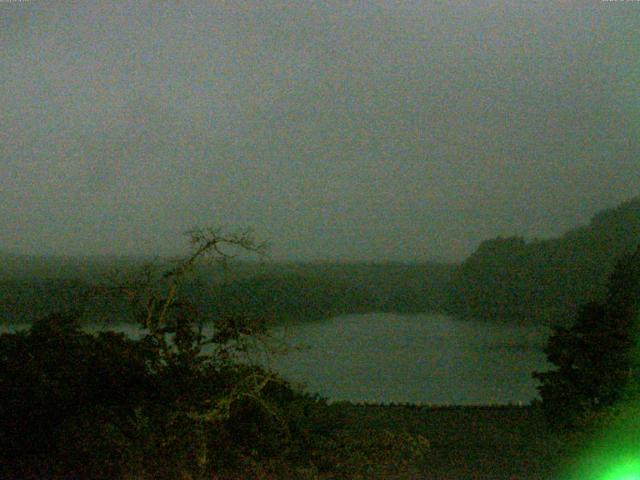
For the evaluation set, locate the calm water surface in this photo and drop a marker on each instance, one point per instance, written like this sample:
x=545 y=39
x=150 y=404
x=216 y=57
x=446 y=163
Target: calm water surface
x=415 y=358
x=423 y=358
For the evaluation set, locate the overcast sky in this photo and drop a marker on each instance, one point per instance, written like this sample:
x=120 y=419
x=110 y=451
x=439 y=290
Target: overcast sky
x=338 y=130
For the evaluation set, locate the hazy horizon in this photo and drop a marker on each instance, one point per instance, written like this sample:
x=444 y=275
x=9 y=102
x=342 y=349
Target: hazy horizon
x=388 y=131
x=269 y=257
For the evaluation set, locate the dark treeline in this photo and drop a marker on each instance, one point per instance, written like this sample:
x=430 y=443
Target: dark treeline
x=284 y=291
x=545 y=281
x=504 y=279
x=294 y=292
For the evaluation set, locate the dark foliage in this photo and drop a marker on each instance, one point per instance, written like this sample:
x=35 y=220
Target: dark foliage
x=304 y=292
x=177 y=403
x=283 y=292
x=55 y=378
x=79 y=405
x=596 y=359
x=508 y=278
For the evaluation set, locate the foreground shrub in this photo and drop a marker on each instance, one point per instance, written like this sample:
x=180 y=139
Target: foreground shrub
x=65 y=392
x=98 y=406
x=176 y=403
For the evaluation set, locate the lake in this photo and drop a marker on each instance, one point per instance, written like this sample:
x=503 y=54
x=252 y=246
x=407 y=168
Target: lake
x=419 y=358
x=423 y=358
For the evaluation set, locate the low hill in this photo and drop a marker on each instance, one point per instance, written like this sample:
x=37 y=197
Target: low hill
x=304 y=291
x=31 y=287
x=545 y=281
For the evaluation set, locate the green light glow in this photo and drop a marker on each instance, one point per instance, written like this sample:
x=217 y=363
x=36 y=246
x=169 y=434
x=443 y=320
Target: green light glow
x=614 y=453
x=626 y=470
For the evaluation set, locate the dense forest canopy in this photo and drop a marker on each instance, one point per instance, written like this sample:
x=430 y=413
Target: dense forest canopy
x=545 y=280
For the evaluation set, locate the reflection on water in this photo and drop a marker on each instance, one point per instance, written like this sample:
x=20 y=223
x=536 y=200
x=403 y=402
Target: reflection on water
x=422 y=358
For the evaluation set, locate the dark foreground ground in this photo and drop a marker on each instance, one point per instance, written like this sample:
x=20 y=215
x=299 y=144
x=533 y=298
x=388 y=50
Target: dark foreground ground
x=488 y=443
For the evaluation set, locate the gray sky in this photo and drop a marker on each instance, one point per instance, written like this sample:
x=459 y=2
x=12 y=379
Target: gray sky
x=338 y=130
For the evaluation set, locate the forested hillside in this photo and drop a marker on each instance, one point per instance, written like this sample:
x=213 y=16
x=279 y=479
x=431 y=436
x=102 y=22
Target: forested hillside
x=296 y=292
x=509 y=278
x=32 y=287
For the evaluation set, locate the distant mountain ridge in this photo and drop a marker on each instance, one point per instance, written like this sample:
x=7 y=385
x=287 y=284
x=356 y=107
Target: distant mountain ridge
x=545 y=280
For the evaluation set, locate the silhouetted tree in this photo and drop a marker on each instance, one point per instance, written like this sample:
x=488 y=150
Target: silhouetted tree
x=168 y=405
x=177 y=402
x=596 y=358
